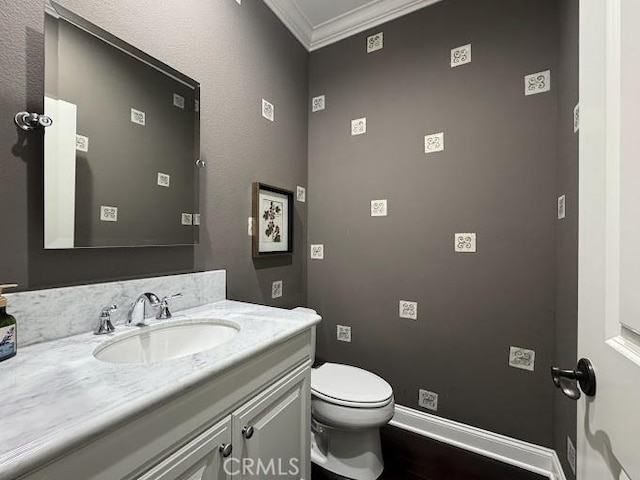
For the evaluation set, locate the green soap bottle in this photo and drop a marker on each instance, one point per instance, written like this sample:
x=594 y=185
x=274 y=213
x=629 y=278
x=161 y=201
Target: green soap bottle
x=8 y=328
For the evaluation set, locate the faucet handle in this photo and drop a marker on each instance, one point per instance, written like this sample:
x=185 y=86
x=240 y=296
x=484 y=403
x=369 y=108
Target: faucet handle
x=164 y=312
x=104 y=325
x=171 y=297
x=106 y=311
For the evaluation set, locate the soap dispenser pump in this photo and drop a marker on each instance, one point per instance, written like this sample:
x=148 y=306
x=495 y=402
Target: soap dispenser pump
x=8 y=328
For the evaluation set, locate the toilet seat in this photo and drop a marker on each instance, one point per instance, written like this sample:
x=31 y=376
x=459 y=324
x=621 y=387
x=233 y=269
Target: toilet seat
x=346 y=403
x=350 y=386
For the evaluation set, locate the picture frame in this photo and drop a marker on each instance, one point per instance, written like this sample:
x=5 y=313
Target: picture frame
x=272 y=212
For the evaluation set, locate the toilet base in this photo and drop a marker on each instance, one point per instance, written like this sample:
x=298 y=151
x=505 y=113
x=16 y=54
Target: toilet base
x=353 y=454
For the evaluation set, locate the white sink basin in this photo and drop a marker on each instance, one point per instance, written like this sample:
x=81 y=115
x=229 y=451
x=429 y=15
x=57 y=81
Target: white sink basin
x=165 y=341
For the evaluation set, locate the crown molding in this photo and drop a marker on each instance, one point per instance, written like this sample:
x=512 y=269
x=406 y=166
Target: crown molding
x=345 y=25
x=363 y=18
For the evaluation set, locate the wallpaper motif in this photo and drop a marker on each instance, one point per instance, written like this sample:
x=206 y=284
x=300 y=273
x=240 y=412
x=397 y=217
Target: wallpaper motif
x=317 y=252
x=276 y=289
x=108 y=213
x=434 y=143
x=571 y=455
x=343 y=333
x=461 y=55
x=522 y=358
x=375 y=42
x=164 y=180
x=428 y=400
x=187 y=219
x=465 y=242
x=301 y=194
x=178 y=101
x=408 y=309
x=82 y=143
x=359 y=126
x=537 y=83
x=378 y=208
x=138 y=117
x=268 y=110
x=317 y=103
x=562 y=207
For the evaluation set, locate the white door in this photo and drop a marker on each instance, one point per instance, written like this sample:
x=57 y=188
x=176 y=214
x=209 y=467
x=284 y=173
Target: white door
x=609 y=259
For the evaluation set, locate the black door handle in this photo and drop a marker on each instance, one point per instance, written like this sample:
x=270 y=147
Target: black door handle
x=568 y=380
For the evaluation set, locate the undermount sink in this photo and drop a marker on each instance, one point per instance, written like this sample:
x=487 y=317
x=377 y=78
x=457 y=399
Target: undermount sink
x=165 y=341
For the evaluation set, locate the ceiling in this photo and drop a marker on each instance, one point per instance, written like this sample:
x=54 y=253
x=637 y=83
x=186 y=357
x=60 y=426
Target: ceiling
x=320 y=11
x=317 y=23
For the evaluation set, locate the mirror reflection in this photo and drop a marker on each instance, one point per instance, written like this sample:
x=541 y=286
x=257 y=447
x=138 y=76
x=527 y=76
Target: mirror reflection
x=121 y=158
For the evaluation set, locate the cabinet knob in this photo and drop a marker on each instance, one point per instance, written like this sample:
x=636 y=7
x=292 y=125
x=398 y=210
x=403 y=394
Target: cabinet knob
x=247 y=432
x=226 y=449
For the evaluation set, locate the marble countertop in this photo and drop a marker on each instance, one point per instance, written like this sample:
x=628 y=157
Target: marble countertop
x=56 y=394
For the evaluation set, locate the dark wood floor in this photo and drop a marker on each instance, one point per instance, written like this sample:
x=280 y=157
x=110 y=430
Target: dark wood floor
x=408 y=456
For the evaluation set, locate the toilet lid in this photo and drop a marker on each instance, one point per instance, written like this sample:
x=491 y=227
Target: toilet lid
x=349 y=384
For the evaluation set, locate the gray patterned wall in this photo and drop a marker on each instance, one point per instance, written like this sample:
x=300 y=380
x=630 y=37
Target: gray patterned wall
x=240 y=53
x=454 y=148
x=566 y=332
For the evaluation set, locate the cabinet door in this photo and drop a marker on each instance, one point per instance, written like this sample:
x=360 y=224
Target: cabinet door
x=271 y=432
x=201 y=459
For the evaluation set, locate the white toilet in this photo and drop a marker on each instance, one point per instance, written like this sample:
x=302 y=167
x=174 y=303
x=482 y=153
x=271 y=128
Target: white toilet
x=348 y=407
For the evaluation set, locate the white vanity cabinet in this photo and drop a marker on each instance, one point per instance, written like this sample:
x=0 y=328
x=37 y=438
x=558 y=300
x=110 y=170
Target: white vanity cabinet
x=265 y=438
x=255 y=415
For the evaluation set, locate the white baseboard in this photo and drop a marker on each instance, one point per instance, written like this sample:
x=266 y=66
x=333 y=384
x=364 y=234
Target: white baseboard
x=527 y=456
x=556 y=473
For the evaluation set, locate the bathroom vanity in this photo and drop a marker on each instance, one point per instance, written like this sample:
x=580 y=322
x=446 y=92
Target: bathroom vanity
x=218 y=414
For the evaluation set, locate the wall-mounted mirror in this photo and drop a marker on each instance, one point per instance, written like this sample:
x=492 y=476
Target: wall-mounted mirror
x=122 y=155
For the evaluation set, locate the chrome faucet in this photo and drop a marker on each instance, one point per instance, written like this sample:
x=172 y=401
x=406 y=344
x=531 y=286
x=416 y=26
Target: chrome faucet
x=138 y=311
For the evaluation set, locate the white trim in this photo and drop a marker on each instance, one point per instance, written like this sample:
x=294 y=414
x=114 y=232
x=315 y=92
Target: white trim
x=534 y=458
x=361 y=19
x=556 y=472
x=350 y=23
x=50 y=10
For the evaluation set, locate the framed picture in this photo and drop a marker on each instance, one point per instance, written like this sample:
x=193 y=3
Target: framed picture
x=272 y=221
